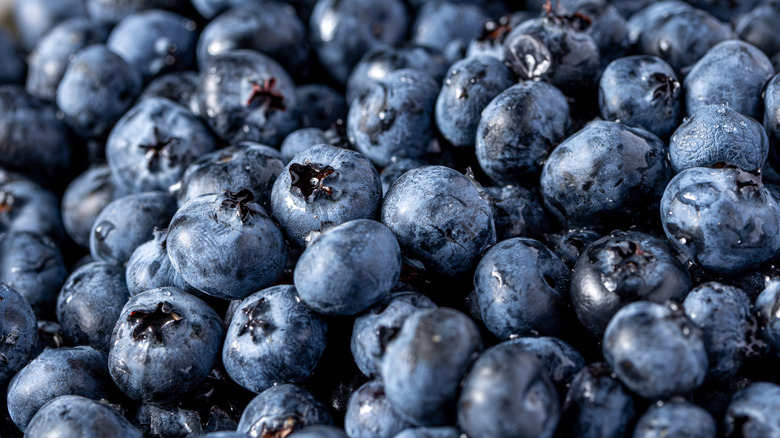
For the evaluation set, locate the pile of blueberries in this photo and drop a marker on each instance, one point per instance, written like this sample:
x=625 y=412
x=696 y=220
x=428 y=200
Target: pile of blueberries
x=390 y=218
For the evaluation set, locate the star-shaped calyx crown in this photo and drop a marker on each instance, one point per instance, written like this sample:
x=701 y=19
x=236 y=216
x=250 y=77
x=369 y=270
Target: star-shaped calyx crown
x=239 y=201
x=308 y=180
x=150 y=324
x=159 y=148
x=266 y=96
x=257 y=324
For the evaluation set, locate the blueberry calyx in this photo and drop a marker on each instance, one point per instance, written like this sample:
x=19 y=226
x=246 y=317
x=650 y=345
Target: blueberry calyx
x=668 y=89
x=308 y=180
x=255 y=325
x=577 y=20
x=289 y=425
x=239 y=201
x=266 y=96
x=152 y=323
x=6 y=202
x=160 y=147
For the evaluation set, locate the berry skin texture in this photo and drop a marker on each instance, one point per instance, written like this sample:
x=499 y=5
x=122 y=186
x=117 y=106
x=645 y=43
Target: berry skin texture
x=678 y=418
x=71 y=416
x=18 y=333
x=280 y=410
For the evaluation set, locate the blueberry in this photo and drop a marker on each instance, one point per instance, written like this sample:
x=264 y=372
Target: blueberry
x=596 y=405
x=73 y=416
x=394 y=170
x=655 y=350
x=113 y=11
x=757 y=26
x=424 y=364
x=61 y=371
x=18 y=332
x=677 y=418
x=370 y=413
x=33 y=18
x=324 y=184
x=97 y=88
x=273 y=339
x=568 y=245
x=439 y=216
x=273 y=29
x=559 y=359
x=165 y=420
x=518 y=129
x=321 y=106
x=280 y=410
x=319 y=431
x=724 y=220
x=342 y=31
x=603 y=174
x=607 y=27
x=430 y=432
x=127 y=222
x=154 y=42
x=14 y=69
x=379 y=325
x=753 y=412
x=245 y=95
x=164 y=344
x=494 y=34
x=178 y=86
x=84 y=198
x=621 y=268
x=469 y=86
x=707 y=84
x=772 y=118
x=214 y=240
x=26 y=206
x=211 y=8
x=641 y=91
x=508 y=393
x=90 y=303
x=766 y=306
x=448 y=26
x=395 y=118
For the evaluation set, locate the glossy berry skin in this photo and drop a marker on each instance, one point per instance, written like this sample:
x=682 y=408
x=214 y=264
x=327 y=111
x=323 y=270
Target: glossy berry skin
x=244 y=165
x=168 y=420
x=26 y=206
x=73 y=416
x=723 y=314
x=370 y=413
x=620 y=268
x=245 y=95
x=604 y=172
x=766 y=306
x=724 y=220
x=49 y=59
x=90 y=111
x=438 y=215
x=430 y=432
x=154 y=42
x=33 y=18
x=655 y=350
x=596 y=405
x=273 y=29
x=772 y=117
x=213 y=242
x=211 y=8
x=127 y=222
x=424 y=364
x=282 y=409
x=676 y=417
x=319 y=431
x=378 y=326
x=149 y=267
x=324 y=184
x=348 y=268
x=641 y=91
x=608 y=26
x=518 y=129
x=522 y=288
x=90 y=302
x=507 y=393
x=273 y=339
x=568 y=245
x=321 y=105
x=178 y=86
x=164 y=344
x=753 y=412
x=55 y=372
x=757 y=26
x=560 y=360
x=706 y=83
x=717 y=135
x=395 y=118
x=342 y=31
x=18 y=331
x=469 y=86
x=153 y=143
x=112 y=11
x=394 y=170
x=84 y=199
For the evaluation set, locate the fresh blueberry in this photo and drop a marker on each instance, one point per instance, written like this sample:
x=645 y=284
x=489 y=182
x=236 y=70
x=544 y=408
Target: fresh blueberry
x=438 y=215
x=430 y=432
x=214 y=242
x=424 y=364
x=708 y=83
x=603 y=174
x=84 y=199
x=655 y=350
x=508 y=393
x=772 y=118
x=518 y=129
x=494 y=34
x=724 y=220
x=273 y=339
x=370 y=413
x=127 y=222
x=90 y=302
x=113 y=11
x=324 y=184
x=280 y=410
x=568 y=245
x=641 y=91
x=395 y=118
x=607 y=27
x=620 y=268
x=448 y=27
x=26 y=206
x=34 y=18
x=394 y=170
x=18 y=333
x=766 y=308
x=73 y=416
x=153 y=143
x=321 y=106
x=304 y=138
x=97 y=88
x=319 y=431
x=13 y=69
x=245 y=95
x=725 y=10
x=559 y=359
x=168 y=421
x=675 y=418
x=164 y=344
x=211 y=8
x=757 y=27
x=55 y=372
x=178 y=86
x=754 y=412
